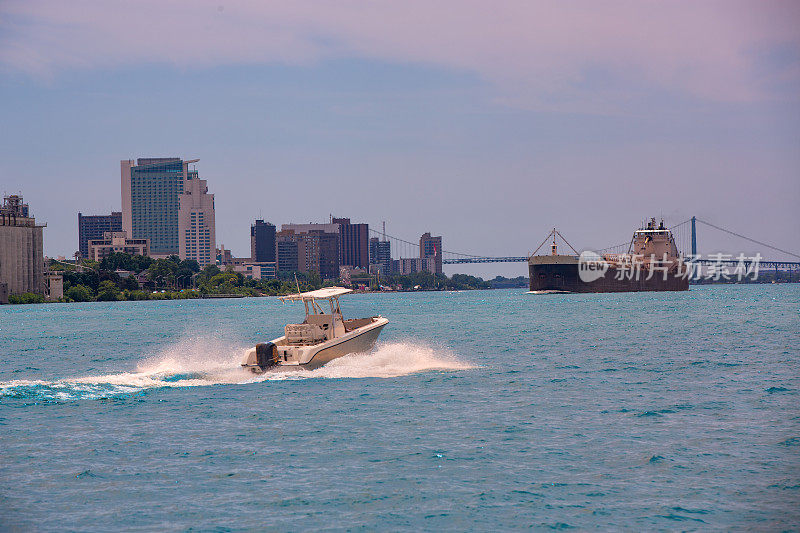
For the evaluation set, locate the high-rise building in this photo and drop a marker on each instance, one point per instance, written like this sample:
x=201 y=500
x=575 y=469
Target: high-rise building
x=286 y=251
x=328 y=255
x=151 y=191
x=94 y=226
x=262 y=242
x=380 y=253
x=318 y=251
x=196 y=224
x=353 y=243
x=21 y=250
x=317 y=248
x=431 y=247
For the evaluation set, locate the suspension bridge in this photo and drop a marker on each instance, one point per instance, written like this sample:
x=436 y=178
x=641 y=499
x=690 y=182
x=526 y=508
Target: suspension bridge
x=684 y=233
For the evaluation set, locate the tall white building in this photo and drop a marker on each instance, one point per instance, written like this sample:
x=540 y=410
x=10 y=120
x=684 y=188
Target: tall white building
x=196 y=228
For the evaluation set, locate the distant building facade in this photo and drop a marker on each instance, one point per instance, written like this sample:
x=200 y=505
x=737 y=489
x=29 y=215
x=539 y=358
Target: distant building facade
x=117 y=241
x=305 y=228
x=262 y=242
x=151 y=190
x=54 y=286
x=224 y=256
x=431 y=248
x=94 y=226
x=412 y=265
x=286 y=251
x=21 y=250
x=353 y=243
x=355 y=277
x=317 y=248
x=318 y=251
x=196 y=222
x=257 y=269
x=380 y=255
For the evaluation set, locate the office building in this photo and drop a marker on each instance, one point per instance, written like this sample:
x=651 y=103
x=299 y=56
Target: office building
x=151 y=190
x=262 y=242
x=286 y=251
x=431 y=247
x=21 y=250
x=196 y=222
x=317 y=248
x=318 y=251
x=94 y=226
x=380 y=255
x=116 y=241
x=353 y=243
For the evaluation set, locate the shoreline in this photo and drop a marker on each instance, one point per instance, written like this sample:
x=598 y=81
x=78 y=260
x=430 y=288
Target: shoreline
x=240 y=296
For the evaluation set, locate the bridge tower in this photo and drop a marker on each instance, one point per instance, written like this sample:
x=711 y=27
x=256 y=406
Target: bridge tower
x=694 y=237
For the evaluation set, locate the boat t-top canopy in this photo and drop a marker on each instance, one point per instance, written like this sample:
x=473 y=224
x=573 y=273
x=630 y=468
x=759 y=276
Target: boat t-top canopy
x=310 y=298
x=320 y=294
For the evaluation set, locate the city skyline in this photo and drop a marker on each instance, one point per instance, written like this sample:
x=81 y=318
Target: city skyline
x=488 y=139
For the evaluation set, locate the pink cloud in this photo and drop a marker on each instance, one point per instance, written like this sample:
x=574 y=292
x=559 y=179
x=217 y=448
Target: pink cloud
x=534 y=52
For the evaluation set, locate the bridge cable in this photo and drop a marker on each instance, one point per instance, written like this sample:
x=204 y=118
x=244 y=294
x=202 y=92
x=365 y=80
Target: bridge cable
x=749 y=239
x=417 y=245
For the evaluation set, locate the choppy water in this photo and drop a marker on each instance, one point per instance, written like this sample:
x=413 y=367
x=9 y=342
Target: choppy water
x=479 y=410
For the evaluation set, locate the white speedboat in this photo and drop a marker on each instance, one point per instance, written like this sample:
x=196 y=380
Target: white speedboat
x=321 y=337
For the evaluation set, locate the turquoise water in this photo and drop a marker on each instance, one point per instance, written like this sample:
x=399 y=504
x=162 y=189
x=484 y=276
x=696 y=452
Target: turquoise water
x=488 y=410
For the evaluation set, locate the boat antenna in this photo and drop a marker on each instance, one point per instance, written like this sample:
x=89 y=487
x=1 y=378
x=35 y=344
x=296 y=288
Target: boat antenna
x=297 y=283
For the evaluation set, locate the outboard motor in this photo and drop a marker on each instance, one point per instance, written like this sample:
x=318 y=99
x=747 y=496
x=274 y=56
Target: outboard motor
x=266 y=355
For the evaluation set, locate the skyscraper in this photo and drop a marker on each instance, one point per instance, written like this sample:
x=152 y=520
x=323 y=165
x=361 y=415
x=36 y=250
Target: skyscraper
x=353 y=243
x=431 y=247
x=380 y=253
x=262 y=242
x=286 y=249
x=317 y=248
x=94 y=226
x=151 y=192
x=196 y=222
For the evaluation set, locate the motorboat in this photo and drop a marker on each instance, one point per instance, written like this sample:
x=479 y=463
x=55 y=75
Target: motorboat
x=320 y=338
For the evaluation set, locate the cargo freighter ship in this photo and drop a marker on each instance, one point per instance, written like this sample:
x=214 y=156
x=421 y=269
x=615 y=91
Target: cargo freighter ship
x=652 y=263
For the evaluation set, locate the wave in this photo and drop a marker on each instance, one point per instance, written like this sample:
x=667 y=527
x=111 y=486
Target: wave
x=208 y=361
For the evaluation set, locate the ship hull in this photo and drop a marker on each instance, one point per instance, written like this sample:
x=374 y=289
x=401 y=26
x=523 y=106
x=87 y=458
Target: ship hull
x=555 y=277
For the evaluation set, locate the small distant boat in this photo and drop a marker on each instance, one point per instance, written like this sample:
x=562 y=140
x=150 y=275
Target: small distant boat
x=321 y=337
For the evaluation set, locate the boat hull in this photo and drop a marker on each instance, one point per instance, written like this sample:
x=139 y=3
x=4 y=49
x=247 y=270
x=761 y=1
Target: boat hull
x=564 y=277
x=312 y=357
x=358 y=344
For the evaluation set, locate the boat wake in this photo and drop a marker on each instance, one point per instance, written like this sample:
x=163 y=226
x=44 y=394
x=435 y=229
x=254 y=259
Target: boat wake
x=200 y=362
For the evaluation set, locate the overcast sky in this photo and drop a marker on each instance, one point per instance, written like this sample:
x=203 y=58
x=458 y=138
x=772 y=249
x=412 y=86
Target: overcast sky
x=485 y=122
